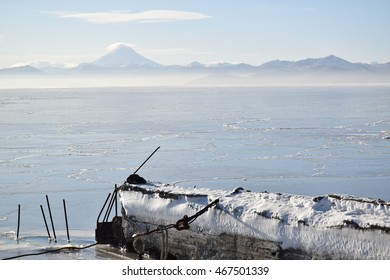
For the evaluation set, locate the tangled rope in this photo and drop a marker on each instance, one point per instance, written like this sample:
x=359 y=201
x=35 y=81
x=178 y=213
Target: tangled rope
x=164 y=242
x=182 y=224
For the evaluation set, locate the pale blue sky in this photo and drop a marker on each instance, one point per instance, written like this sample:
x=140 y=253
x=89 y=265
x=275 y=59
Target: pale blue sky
x=179 y=32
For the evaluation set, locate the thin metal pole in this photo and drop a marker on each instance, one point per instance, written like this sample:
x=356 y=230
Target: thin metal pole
x=104 y=205
x=66 y=221
x=44 y=219
x=116 y=200
x=146 y=160
x=109 y=207
x=51 y=219
x=17 y=231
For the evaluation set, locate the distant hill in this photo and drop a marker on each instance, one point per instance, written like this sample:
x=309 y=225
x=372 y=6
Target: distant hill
x=326 y=64
x=121 y=60
x=21 y=70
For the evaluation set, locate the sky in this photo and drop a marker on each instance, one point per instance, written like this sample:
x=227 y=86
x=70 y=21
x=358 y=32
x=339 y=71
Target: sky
x=208 y=31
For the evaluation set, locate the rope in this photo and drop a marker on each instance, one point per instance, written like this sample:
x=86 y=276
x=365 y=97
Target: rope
x=51 y=251
x=181 y=224
x=164 y=242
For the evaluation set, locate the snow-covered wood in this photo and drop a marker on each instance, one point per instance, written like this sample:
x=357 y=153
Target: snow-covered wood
x=249 y=225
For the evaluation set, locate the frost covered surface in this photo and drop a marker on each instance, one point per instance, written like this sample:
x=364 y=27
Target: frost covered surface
x=333 y=226
x=75 y=144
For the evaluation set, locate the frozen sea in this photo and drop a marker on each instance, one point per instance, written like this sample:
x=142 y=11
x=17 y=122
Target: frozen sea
x=76 y=144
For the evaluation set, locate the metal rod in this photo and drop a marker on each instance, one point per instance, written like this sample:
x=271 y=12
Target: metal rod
x=109 y=207
x=51 y=219
x=146 y=160
x=104 y=205
x=116 y=200
x=17 y=231
x=66 y=221
x=44 y=219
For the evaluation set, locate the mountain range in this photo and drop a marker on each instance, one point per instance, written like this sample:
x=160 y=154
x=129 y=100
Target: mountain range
x=122 y=59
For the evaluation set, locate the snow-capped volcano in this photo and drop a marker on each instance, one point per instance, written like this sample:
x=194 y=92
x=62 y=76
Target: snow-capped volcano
x=122 y=55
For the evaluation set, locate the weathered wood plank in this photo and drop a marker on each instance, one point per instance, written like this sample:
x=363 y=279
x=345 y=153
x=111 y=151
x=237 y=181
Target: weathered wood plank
x=249 y=225
x=188 y=244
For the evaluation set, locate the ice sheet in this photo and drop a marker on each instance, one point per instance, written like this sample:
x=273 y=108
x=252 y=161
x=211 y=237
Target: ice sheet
x=75 y=144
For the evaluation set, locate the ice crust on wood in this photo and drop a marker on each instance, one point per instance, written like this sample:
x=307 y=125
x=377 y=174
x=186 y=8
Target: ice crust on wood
x=331 y=226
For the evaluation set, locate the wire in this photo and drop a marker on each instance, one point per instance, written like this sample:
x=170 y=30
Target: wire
x=181 y=224
x=52 y=251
